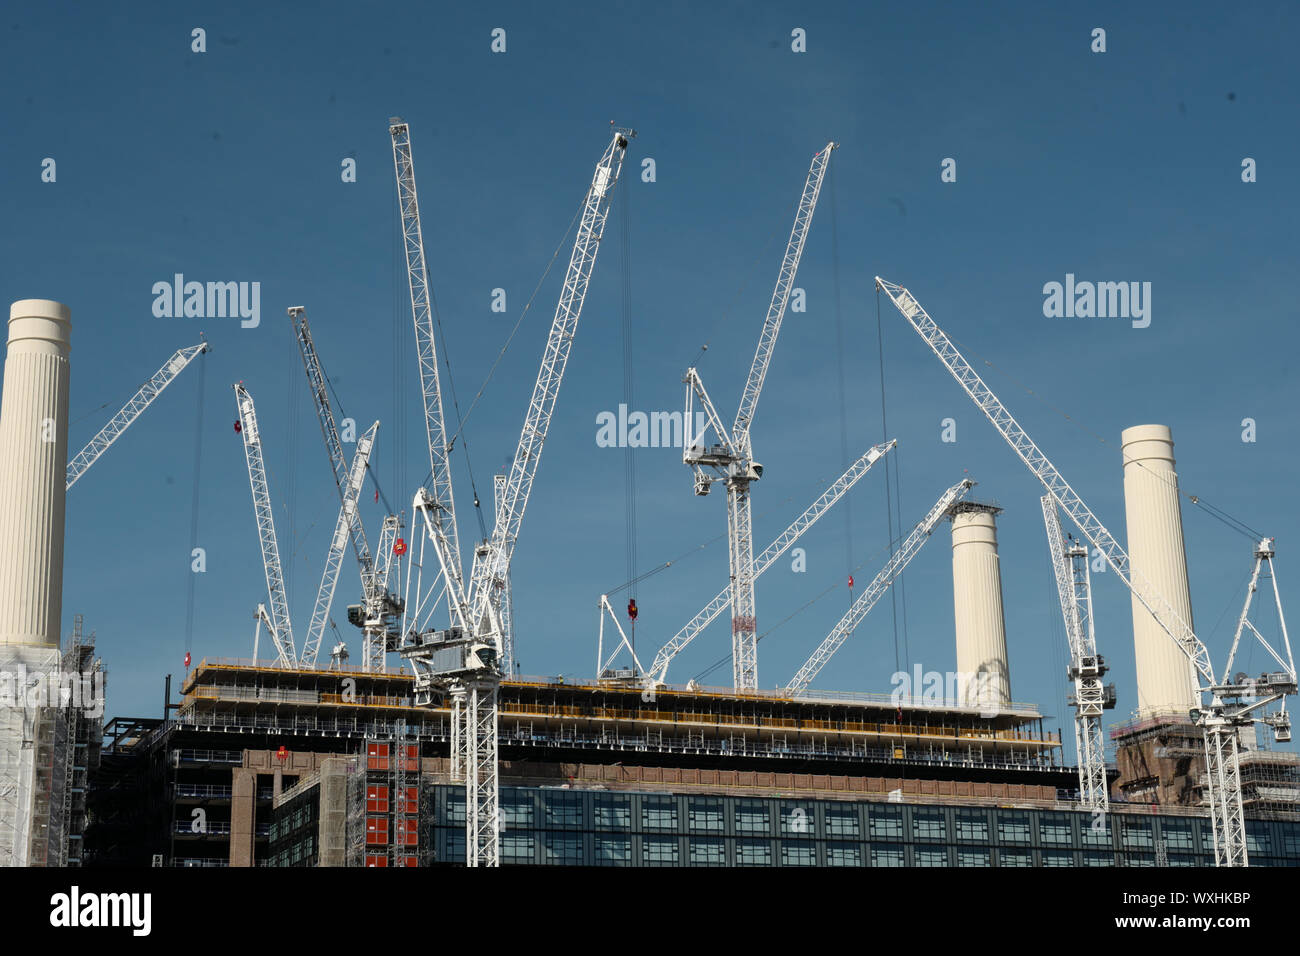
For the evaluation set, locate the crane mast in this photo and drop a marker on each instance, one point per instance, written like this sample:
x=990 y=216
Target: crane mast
x=132 y=410
x=378 y=616
x=281 y=629
x=507 y=603
x=879 y=585
x=1226 y=714
x=1087 y=667
x=441 y=496
x=679 y=641
x=732 y=462
x=338 y=542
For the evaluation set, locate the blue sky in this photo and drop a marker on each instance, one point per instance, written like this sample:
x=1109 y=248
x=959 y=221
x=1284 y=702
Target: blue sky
x=225 y=165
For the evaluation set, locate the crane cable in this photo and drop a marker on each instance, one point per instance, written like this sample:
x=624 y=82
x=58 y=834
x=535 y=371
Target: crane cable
x=629 y=381
x=839 y=356
x=194 y=510
x=1213 y=511
x=869 y=560
x=518 y=322
x=889 y=503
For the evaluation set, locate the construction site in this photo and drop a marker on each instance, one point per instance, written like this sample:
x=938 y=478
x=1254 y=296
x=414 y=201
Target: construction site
x=430 y=748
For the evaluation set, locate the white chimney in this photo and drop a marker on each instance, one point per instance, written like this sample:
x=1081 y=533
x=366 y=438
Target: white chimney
x=33 y=472
x=1165 y=677
x=977 y=606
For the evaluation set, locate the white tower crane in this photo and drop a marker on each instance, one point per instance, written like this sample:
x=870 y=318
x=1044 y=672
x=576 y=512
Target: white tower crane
x=1227 y=712
x=279 y=626
x=129 y=412
x=347 y=519
x=732 y=461
x=465 y=660
x=1087 y=667
x=879 y=585
x=679 y=641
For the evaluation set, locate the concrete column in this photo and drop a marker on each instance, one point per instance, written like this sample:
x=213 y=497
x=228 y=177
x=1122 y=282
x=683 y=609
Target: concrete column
x=1165 y=677
x=243 y=816
x=977 y=606
x=33 y=472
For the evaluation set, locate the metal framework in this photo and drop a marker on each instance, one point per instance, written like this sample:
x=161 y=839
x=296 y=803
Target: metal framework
x=426 y=349
x=479 y=737
x=280 y=627
x=507 y=601
x=347 y=519
x=378 y=602
x=129 y=412
x=1223 y=718
x=879 y=585
x=603 y=662
x=1091 y=697
x=466 y=659
x=678 y=642
x=733 y=461
x=379 y=625
x=491 y=562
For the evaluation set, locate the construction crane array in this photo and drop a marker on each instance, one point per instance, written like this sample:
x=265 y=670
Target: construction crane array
x=732 y=460
x=1091 y=698
x=1227 y=713
x=880 y=584
x=678 y=642
x=465 y=660
x=278 y=623
x=132 y=410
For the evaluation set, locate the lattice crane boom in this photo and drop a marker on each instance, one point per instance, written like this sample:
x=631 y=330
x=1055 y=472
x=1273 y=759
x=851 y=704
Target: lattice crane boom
x=485 y=594
x=281 y=629
x=780 y=299
x=329 y=430
x=347 y=518
x=132 y=410
x=679 y=641
x=444 y=513
x=879 y=585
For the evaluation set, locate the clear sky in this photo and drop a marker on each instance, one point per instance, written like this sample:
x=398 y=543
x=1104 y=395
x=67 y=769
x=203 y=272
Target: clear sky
x=226 y=166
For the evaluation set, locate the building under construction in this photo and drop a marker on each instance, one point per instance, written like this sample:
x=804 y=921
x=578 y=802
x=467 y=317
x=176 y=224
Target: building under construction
x=265 y=766
x=430 y=750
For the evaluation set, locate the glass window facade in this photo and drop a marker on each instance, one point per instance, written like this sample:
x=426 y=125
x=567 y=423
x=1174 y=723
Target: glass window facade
x=705 y=814
x=628 y=828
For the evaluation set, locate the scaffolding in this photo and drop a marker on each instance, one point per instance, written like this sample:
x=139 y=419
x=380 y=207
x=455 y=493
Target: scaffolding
x=78 y=736
x=383 y=802
x=355 y=830
x=29 y=684
x=1162 y=754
